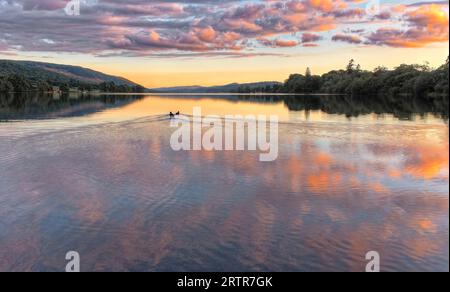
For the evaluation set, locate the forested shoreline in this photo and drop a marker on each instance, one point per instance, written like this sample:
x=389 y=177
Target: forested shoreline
x=407 y=80
x=29 y=76
x=18 y=83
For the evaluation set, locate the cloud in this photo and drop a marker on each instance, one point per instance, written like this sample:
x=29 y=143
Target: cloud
x=426 y=24
x=192 y=55
x=326 y=5
x=135 y=27
x=310 y=38
x=3 y=46
x=277 y=43
x=207 y=34
x=384 y=15
x=43 y=4
x=352 y=39
x=349 y=13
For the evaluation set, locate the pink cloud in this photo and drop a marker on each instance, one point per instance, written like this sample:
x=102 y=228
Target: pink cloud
x=207 y=34
x=136 y=27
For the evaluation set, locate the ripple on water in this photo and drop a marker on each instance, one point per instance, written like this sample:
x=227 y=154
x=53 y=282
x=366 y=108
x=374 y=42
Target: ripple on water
x=117 y=189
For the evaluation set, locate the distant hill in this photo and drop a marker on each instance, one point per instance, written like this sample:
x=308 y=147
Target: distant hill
x=58 y=74
x=229 y=88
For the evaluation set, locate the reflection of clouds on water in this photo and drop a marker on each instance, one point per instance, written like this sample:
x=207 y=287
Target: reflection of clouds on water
x=121 y=197
x=429 y=163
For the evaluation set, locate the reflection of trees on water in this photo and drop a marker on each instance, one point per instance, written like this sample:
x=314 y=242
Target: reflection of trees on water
x=354 y=106
x=35 y=105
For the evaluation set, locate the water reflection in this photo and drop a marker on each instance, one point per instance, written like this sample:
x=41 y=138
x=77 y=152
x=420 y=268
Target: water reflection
x=403 y=108
x=119 y=195
x=288 y=107
x=20 y=106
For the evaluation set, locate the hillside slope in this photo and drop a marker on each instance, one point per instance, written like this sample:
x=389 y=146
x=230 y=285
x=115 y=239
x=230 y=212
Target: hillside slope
x=58 y=73
x=229 y=88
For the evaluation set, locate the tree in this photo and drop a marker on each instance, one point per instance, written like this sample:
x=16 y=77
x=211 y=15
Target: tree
x=19 y=83
x=423 y=84
x=308 y=73
x=380 y=70
x=5 y=85
x=405 y=80
x=351 y=66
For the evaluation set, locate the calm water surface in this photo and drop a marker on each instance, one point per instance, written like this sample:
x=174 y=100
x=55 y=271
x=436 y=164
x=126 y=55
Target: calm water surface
x=104 y=181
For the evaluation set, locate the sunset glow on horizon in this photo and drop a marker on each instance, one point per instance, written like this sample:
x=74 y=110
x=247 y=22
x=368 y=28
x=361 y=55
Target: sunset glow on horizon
x=180 y=43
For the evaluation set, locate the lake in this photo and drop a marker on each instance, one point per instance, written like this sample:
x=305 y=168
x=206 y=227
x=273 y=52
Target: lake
x=97 y=175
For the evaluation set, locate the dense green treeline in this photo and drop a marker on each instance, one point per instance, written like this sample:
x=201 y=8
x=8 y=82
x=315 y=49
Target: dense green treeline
x=409 y=80
x=18 y=83
x=29 y=76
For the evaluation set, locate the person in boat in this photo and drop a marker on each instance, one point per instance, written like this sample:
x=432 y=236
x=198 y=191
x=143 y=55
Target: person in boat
x=171 y=115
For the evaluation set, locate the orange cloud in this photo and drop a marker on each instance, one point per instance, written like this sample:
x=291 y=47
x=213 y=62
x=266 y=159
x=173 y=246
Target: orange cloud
x=326 y=5
x=206 y=34
x=427 y=24
x=431 y=16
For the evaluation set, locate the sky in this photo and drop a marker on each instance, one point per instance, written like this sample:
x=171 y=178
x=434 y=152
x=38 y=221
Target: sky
x=215 y=42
